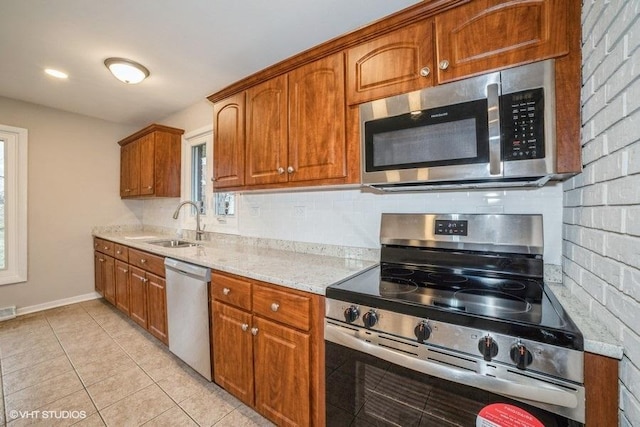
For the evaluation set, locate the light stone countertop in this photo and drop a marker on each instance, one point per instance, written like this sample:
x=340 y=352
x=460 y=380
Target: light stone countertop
x=315 y=272
x=302 y=271
x=597 y=339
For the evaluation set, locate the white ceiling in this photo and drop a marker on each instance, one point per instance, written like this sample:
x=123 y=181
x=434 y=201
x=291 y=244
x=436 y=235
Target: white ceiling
x=193 y=48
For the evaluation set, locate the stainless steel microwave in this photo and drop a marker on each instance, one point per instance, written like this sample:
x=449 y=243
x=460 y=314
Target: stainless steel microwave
x=493 y=130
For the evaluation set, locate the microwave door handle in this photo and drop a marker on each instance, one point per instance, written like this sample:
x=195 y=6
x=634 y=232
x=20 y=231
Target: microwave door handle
x=493 y=101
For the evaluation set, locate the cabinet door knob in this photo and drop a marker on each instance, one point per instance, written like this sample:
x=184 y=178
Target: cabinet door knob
x=118 y=252
x=226 y=291
x=425 y=72
x=245 y=327
x=290 y=169
x=142 y=260
x=101 y=259
x=444 y=64
x=280 y=170
x=106 y=248
x=254 y=331
x=275 y=306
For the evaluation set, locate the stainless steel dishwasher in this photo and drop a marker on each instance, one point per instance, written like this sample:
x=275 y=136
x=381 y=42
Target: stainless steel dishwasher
x=188 y=314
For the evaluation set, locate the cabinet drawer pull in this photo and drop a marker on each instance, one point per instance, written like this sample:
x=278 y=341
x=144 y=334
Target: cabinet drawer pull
x=101 y=259
x=275 y=306
x=254 y=331
x=142 y=260
x=245 y=327
x=118 y=252
x=226 y=291
x=106 y=248
x=444 y=64
x=425 y=72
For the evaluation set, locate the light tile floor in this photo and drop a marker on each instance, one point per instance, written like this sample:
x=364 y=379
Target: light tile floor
x=86 y=364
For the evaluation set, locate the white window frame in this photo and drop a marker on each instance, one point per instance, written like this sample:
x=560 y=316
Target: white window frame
x=190 y=140
x=15 y=204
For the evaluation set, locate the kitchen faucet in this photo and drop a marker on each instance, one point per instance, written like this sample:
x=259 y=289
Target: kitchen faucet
x=199 y=231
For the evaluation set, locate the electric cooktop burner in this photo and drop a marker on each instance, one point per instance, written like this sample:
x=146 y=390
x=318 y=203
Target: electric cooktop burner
x=496 y=297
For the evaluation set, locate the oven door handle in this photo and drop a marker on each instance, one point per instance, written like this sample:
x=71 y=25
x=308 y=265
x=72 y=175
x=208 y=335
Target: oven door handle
x=542 y=393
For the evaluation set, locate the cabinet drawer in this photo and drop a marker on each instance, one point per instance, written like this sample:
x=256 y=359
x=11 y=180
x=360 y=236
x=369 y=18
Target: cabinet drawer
x=104 y=246
x=288 y=307
x=232 y=290
x=147 y=261
x=121 y=252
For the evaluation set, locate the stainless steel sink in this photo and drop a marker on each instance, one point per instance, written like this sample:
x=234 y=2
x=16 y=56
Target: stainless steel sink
x=174 y=243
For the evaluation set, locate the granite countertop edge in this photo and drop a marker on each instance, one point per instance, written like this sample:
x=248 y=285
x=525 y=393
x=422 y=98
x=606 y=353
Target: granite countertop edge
x=597 y=339
x=302 y=271
x=314 y=273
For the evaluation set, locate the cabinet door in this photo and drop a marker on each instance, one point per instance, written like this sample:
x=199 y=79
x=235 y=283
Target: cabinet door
x=317 y=143
x=122 y=286
x=130 y=170
x=282 y=372
x=138 y=296
x=485 y=35
x=266 y=136
x=398 y=62
x=109 y=280
x=157 y=307
x=147 y=164
x=228 y=146
x=98 y=265
x=233 y=351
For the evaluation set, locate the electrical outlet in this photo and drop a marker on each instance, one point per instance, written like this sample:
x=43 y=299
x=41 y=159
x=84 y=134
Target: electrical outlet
x=299 y=211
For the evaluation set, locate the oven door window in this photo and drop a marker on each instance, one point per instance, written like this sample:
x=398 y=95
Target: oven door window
x=364 y=390
x=451 y=135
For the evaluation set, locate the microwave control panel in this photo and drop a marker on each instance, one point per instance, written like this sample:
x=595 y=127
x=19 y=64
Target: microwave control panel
x=522 y=125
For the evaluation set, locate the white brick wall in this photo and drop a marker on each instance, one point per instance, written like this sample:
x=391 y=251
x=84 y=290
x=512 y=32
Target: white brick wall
x=601 y=218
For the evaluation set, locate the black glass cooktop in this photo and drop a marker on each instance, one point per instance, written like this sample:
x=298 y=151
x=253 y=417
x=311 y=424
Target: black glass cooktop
x=508 y=304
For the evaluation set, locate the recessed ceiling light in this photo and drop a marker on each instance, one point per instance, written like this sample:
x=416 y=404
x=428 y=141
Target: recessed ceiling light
x=126 y=70
x=56 y=73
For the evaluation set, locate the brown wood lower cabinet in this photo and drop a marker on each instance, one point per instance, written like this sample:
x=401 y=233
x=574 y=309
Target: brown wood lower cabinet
x=134 y=282
x=105 y=276
x=267 y=348
x=122 y=287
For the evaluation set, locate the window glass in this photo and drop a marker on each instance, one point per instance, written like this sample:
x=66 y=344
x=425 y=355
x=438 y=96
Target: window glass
x=199 y=175
x=2 y=224
x=13 y=205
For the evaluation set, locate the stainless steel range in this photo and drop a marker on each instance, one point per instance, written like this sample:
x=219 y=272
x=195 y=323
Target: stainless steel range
x=454 y=327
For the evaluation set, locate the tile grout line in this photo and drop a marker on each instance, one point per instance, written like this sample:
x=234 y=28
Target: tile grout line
x=84 y=387
x=143 y=370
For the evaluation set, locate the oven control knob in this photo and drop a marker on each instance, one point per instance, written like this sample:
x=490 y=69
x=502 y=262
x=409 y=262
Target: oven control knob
x=351 y=314
x=370 y=318
x=422 y=331
x=520 y=355
x=488 y=348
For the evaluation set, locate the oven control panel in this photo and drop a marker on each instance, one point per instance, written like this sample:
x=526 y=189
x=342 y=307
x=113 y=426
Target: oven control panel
x=481 y=346
x=447 y=227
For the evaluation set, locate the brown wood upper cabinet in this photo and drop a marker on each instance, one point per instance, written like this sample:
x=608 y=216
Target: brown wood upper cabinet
x=294 y=130
x=395 y=63
x=485 y=35
x=228 y=149
x=150 y=163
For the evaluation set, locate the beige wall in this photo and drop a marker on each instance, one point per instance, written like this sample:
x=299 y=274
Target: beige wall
x=73 y=186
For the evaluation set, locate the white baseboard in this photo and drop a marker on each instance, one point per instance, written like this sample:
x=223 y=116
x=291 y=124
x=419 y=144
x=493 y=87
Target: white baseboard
x=58 y=303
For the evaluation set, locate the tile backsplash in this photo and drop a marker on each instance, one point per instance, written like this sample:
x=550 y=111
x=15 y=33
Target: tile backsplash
x=351 y=217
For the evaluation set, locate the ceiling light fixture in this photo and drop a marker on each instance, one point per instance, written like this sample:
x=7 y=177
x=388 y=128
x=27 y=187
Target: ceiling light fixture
x=126 y=71
x=56 y=73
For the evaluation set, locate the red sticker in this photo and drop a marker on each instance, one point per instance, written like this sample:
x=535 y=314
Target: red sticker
x=503 y=415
